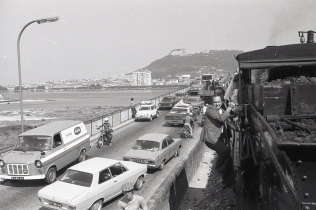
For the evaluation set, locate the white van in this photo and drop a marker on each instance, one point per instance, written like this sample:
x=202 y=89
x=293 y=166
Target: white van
x=39 y=153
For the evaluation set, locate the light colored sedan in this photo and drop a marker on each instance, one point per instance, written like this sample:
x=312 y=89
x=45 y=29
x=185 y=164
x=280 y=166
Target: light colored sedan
x=154 y=149
x=91 y=183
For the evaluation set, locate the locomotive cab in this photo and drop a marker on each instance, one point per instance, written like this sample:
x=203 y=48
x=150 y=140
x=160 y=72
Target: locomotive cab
x=277 y=147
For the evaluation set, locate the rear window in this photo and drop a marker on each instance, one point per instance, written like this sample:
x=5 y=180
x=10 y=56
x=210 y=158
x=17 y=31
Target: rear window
x=178 y=110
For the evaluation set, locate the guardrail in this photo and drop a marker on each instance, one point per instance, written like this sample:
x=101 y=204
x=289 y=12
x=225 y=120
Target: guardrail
x=119 y=116
x=115 y=118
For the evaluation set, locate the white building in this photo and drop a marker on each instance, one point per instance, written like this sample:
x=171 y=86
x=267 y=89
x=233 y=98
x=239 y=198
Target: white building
x=141 y=77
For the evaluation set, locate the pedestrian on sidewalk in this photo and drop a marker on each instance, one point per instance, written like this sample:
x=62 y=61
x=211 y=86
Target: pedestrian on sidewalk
x=130 y=201
x=214 y=134
x=133 y=108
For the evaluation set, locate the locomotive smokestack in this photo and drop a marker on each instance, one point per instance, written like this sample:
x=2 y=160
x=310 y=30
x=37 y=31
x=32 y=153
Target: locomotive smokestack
x=310 y=37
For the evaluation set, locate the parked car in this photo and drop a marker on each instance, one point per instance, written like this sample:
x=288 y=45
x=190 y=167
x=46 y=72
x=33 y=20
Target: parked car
x=89 y=184
x=177 y=114
x=168 y=102
x=154 y=150
x=39 y=153
x=147 y=111
x=195 y=102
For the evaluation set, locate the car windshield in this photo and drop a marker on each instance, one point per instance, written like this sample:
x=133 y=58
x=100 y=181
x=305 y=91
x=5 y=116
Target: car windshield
x=167 y=99
x=190 y=100
x=146 y=145
x=77 y=177
x=34 y=143
x=178 y=110
x=142 y=108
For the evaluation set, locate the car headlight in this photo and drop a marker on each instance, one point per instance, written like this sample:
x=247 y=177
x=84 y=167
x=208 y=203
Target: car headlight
x=70 y=207
x=2 y=163
x=38 y=164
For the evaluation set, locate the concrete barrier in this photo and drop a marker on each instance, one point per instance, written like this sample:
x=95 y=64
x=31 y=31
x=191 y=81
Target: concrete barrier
x=172 y=189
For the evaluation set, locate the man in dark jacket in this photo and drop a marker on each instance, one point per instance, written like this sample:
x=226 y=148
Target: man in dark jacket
x=214 y=134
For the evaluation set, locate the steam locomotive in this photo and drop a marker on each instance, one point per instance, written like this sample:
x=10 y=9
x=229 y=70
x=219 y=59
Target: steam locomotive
x=277 y=139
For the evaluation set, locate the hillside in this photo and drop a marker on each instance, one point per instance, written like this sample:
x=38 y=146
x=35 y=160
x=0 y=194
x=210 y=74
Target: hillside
x=214 y=61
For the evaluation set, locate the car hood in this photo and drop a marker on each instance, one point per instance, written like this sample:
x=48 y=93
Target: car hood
x=61 y=192
x=141 y=154
x=21 y=157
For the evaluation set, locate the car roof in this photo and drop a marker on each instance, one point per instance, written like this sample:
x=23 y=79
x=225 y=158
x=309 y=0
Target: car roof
x=94 y=165
x=158 y=137
x=51 y=129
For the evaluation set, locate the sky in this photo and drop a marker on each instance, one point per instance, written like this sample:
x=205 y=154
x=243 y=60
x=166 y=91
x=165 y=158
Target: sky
x=100 y=38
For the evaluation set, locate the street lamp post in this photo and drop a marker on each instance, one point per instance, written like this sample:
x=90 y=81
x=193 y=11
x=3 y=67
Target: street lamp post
x=174 y=50
x=39 y=21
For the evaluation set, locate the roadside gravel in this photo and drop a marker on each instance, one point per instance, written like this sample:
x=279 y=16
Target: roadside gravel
x=206 y=190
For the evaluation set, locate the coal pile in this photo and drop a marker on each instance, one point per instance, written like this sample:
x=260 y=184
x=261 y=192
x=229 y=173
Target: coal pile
x=302 y=80
x=287 y=133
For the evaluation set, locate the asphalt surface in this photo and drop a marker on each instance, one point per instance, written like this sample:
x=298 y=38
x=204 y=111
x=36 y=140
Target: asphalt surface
x=23 y=194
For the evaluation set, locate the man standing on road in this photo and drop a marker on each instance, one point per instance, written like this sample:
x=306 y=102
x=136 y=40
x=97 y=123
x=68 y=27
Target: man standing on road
x=131 y=201
x=133 y=108
x=214 y=135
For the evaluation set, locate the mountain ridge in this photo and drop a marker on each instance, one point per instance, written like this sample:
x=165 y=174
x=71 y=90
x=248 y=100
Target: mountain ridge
x=215 y=61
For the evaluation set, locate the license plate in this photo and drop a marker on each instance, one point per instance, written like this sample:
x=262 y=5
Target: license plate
x=17 y=178
x=55 y=204
x=141 y=161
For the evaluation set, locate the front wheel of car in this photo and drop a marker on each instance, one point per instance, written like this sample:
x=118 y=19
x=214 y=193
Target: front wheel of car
x=139 y=183
x=51 y=175
x=150 y=118
x=82 y=156
x=162 y=165
x=157 y=114
x=97 y=205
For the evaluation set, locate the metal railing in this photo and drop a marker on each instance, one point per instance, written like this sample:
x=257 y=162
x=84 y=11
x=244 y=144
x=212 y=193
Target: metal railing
x=119 y=116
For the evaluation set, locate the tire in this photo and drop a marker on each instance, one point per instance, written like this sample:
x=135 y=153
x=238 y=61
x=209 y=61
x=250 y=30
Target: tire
x=82 y=156
x=157 y=114
x=150 y=118
x=51 y=175
x=109 y=138
x=177 y=154
x=97 y=205
x=100 y=142
x=139 y=183
x=162 y=165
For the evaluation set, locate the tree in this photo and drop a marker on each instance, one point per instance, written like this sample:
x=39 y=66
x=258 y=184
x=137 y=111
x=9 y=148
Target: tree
x=3 y=88
x=40 y=87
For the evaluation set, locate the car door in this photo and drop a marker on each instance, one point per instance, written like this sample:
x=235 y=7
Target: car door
x=120 y=176
x=104 y=187
x=165 y=149
x=172 y=147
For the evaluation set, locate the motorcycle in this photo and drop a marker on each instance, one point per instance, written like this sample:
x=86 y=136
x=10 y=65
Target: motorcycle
x=105 y=138
x=185 y=132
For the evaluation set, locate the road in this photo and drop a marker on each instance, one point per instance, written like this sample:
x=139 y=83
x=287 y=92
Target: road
x=23 y=195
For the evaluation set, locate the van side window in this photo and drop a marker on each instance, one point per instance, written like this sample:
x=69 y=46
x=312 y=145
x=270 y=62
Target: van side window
x=57 y=141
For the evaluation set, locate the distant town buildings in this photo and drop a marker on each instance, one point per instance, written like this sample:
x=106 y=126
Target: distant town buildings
x=141 y=77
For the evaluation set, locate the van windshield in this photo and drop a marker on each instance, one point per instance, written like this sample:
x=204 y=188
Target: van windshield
x=33 y=143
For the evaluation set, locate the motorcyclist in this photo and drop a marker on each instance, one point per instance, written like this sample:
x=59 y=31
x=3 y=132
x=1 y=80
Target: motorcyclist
x=189 y=124
x=106 y=127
